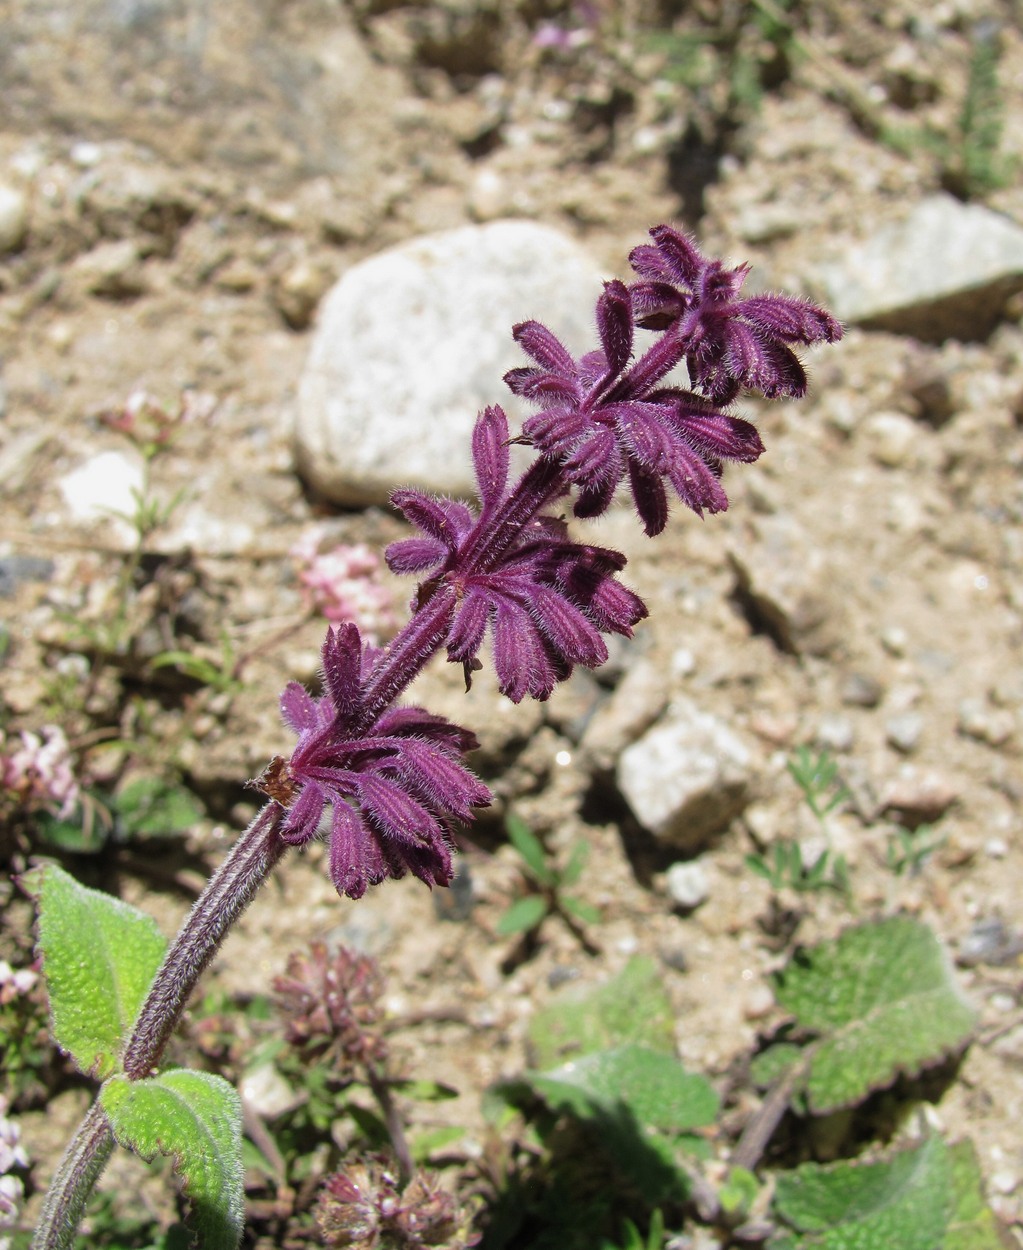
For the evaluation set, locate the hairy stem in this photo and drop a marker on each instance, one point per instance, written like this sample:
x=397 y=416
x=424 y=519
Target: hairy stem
x=230 y=890
x=392 y=1118
x=541 y=482
x=79 y=1170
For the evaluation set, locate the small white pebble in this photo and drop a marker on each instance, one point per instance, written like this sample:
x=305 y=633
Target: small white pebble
x=997 y=848
x=759 y=1002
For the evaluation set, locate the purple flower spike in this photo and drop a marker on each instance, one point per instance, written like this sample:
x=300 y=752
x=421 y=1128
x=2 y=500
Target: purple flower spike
x=728 y=342
x=394 y=789
x=602 y=419
x=545 y=599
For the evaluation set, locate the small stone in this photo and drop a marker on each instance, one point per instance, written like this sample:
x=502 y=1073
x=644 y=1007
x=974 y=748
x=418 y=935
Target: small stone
x=1005 y=1181
x=786 y=584
x=14 y=570
x=892 y=438
x=112 y=270
x=13 y=218
x=297 y=293
x=996 y=848
x=759 y=1003
x=836 y=733
x=861 y=690
x=895 y=640
x=103 y=487
x=637 y=702
x=917 y=798
x=985 y=724
x=268 y=1093
x=687 y=777
x=903 y=732
x=688 y=885
x=990 y=941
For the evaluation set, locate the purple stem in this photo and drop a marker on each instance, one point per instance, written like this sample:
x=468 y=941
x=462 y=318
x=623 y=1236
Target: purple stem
x=230 y=890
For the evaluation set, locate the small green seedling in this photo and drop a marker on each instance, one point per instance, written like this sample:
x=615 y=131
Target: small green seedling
x=816 y=776
x=910 y=849
x=546 y=885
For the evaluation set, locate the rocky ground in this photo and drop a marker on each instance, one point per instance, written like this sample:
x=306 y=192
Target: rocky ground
x=180 y=186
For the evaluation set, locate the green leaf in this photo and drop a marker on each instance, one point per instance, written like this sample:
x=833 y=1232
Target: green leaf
x=882 y=1001
x=653 y=1086
x=924 y=1198
x=772 y=1064
x=632 y=1007
x=530 y=848
x=197 y=1118
x=523 y=915
x=434 y=1140
x=153 y=807
x=576 y=863
x=582 y=911
x=99 y=957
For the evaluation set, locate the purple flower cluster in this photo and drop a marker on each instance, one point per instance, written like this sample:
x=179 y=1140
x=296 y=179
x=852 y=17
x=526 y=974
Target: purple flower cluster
x=392 y=776
x=394 y=785
x=545 y=599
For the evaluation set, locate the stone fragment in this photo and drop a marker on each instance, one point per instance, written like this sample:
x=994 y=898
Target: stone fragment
x=267 y=1093
x=985 y=724
x=636 y=703
x=916 y=798
x=413 y=342
x=945 y=270
x=112 y=270
x=688 y=884
x=687 y=777
x=104 y=488
x=892 y=438
x=903 y=731
x=836 y=733
x=13 y=218
x=861 y=690
x=786 y=587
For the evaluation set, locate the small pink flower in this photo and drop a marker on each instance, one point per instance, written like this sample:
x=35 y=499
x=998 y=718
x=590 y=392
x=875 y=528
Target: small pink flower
x=39 y=771
x=343 y=583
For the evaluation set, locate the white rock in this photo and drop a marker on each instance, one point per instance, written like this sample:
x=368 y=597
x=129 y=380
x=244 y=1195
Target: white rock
x=13 y=217
x=268 y=1093
x=688 y=884
x=687 y=777
x=946 y=269
x=104 y=488
x=413 y=342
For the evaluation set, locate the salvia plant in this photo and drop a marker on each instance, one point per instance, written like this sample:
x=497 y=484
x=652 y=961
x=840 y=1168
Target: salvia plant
x=384 y=782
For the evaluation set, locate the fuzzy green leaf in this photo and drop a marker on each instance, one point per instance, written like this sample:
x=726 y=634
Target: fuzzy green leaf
x=197 y=1118
x=653 y=1086
x=99 y=957
x=632 y=1007
x=882 y=1001
x=523 y=915
x=530 y=848
x=925 y=1198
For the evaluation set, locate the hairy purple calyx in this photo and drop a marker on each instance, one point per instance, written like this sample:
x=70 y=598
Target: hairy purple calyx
x=394 y=788
x=545 y=599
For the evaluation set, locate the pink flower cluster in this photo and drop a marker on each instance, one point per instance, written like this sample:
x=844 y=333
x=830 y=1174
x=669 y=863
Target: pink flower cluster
x=344 y=584
x=38 y=771
x=12 y=1154
x=15 y=983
